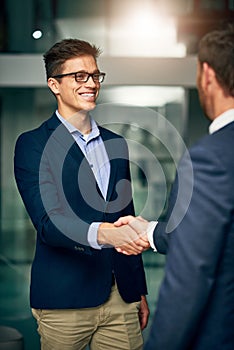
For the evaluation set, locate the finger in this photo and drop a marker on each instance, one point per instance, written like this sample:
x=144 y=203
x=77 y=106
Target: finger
x=122 y=251
x=144 y=243
x=143 y=322
x=130 y=249
x=119 y=250
x=123 y=220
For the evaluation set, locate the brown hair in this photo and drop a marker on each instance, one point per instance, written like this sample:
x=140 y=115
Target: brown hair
x=216 y=48
x=64 y=50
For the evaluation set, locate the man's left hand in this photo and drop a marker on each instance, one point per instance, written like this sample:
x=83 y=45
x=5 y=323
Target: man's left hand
x=143 y=312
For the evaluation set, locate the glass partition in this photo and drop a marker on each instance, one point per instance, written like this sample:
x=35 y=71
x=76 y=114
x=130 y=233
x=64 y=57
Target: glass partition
x=153 y=120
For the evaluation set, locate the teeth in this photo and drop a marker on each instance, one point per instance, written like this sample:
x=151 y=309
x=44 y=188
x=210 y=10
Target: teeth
x=88 y=95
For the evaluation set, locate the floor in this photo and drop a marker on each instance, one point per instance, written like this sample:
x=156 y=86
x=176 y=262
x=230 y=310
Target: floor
x=16 y=252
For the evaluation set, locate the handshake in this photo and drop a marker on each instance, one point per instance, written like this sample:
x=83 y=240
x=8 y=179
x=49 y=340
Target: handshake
x=129 y=235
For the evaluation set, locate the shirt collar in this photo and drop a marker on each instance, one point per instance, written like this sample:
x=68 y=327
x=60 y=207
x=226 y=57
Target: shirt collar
x=95 y=132
x=221 y=121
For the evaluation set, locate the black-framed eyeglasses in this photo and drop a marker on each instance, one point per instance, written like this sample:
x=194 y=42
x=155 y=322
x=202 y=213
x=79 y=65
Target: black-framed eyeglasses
x=83 y=77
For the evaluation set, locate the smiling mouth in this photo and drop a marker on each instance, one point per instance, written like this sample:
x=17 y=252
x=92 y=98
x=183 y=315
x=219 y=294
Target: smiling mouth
x=88 y=95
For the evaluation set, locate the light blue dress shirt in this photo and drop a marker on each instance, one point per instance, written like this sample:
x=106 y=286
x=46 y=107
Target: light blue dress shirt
x=94 y=150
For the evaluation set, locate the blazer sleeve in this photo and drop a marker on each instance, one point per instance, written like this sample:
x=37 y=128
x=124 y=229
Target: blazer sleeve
x=194 y=249
x=35 y=179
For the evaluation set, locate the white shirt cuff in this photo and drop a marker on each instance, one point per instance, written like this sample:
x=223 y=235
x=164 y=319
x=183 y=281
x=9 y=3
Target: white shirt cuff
x=92 y=235
x=150 y=233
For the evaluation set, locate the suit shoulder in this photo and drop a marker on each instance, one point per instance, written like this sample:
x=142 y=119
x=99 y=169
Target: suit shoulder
x=37 y=135
x=215 y=152
x=221 y=142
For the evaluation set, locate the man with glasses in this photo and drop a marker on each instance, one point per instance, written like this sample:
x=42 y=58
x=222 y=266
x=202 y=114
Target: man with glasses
x=74 y=179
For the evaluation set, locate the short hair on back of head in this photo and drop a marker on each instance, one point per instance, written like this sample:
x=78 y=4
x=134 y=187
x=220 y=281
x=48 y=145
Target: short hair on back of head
x=64 y=50
x=216 y=48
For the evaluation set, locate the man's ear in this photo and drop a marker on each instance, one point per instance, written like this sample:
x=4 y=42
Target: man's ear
x=208 y=75
x=53 y=84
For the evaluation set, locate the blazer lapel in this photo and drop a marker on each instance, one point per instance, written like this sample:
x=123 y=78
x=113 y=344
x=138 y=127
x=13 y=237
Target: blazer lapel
x=61 y=137
x=113 y=166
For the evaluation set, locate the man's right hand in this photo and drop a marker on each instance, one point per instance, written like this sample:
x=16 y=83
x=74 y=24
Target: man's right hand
x=140 y=226
x=124 y=238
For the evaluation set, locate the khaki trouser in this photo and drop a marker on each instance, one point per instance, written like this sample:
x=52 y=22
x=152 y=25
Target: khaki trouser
x=111 y=326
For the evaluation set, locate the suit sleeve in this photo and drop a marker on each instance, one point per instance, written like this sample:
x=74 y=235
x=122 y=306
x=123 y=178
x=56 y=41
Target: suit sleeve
x=34 y=179
x=194 y=249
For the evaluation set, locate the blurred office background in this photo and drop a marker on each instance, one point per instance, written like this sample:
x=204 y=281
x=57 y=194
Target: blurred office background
x=149 y=96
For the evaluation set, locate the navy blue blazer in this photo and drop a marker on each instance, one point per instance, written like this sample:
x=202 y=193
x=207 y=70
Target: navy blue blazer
x=195 y=309
x=62 y=198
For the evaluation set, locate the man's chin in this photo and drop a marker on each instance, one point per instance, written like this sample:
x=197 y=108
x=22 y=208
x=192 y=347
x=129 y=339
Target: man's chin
x=89 y=107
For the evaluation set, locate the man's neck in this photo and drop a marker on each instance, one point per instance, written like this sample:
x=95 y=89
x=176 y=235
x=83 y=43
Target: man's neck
x=221 y=103
x=80 y=120
x=228 y=104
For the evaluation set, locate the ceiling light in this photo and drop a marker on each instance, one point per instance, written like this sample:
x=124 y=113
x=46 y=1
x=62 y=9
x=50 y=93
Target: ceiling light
x=37 y=34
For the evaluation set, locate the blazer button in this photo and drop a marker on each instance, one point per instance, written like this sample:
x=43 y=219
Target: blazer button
x=80 y=249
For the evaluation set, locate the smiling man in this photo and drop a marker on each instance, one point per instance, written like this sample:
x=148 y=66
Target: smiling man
x=82 y=290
